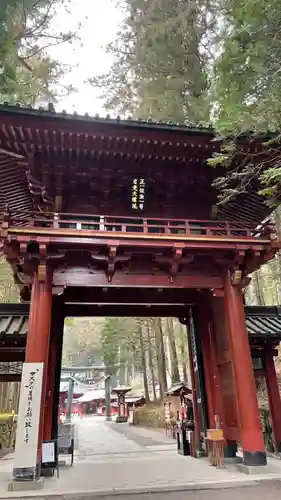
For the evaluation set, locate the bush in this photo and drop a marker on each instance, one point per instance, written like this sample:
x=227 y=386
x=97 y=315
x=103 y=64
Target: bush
x=149 y=416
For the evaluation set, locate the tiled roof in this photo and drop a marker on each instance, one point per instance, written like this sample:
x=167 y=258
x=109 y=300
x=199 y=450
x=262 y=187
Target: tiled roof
x=263 y=321
x=50 y=112
x=13 y=319
x=52 y=134
x=176 y=389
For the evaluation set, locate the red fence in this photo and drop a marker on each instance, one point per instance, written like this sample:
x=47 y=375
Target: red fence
x=153 y=226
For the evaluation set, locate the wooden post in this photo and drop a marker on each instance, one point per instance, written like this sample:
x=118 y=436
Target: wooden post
x=37 y=343
x=273 y=398
x=217 y=346
x=249 y=415
x=107 y=385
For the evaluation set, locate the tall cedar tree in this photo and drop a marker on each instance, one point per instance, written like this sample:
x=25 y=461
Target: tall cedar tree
x=28 y=75
x=161 y=58
x=247 y=92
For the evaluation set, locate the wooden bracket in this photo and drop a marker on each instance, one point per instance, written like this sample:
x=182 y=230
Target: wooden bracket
x=42 y=267
x=111 y=263
x=42 y=273
x=237 y=277
x=174 y=261
x=174 y=265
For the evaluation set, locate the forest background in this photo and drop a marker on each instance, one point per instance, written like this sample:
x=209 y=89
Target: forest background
x=206 y=61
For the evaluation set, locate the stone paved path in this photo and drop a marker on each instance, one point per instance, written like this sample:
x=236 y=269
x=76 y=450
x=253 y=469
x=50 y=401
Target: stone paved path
x=259 y=492
x=110 y=457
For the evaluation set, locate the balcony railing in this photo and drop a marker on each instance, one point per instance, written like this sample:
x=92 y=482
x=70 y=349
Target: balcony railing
x=147 y=226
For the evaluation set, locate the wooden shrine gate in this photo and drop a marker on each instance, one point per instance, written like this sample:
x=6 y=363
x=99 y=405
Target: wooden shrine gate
x=263 y=327
x=119 y=217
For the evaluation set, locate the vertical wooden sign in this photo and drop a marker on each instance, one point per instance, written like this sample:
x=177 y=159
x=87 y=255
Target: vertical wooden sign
x=25 y=459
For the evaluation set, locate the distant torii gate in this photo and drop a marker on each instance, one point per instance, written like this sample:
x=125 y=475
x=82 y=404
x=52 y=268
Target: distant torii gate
x=73 y=370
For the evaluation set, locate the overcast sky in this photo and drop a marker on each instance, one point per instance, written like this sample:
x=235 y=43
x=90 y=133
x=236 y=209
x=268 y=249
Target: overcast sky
x=100 y=20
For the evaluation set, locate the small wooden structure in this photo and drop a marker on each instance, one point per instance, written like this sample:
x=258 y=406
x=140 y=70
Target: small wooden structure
x=121 y=392
x=135 y=401
x=173 y=404
x=215 y=447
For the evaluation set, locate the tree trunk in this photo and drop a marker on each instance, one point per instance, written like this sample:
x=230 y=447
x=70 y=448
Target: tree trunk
x=160 y=352
x=183 y=361
x=150 y=361
x=175 y=376
x=143 y=365
x=258 y=289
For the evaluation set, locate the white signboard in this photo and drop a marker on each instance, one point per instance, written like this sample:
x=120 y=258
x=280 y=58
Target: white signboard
x=48 y=453
x=65 y=435
x=29 y=416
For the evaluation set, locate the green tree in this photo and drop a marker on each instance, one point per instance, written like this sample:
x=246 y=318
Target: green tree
x=110 y=344
x=9 y=292
x=143 y=360
x=160 y=67
x=247 y=92
x=170 y=330
x=28 y=74
x=82 y=342
x=160 y=356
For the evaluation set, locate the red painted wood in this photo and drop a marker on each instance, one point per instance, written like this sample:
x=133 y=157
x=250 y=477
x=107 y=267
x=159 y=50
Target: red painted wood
x=10 y=377
x=98 y=278
x=217 y=396
x=146 y=225
x=11 y=355
x=129 y=295
x=226 y=400
x=273 y=398
x=249 y=416
x=37 y=343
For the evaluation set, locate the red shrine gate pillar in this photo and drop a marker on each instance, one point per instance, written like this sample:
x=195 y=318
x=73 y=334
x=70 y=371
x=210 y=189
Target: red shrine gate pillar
x=30 y=429
x=248 y=411
x=216 y=366
x=273 y=398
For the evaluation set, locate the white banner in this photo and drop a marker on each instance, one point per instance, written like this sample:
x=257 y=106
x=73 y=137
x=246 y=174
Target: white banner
x=29 y=416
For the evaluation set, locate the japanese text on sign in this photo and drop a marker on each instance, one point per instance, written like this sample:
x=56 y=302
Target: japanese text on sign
x=28 y=415
x=138 y=193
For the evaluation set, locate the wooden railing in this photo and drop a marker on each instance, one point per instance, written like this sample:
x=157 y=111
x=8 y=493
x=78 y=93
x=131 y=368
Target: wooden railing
x=148 y=226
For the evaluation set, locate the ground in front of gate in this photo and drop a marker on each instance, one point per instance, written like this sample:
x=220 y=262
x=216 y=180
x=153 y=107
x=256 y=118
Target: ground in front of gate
x=111 y=458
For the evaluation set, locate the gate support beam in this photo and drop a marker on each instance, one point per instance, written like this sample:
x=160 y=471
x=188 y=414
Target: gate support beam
x=249 y=416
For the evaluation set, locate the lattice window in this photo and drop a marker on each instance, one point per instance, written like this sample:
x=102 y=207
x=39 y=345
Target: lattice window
x=138 y=194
